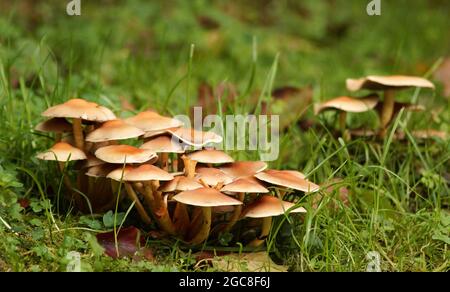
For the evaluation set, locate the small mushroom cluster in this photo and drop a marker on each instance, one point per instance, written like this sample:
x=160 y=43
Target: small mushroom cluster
x=386 y=110
x=174 y=178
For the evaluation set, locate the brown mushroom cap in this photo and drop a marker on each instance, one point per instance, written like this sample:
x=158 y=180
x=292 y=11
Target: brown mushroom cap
x=195 y=138
x=180 y=183
x=124 y=154
x=101 y=170
x=348 y=104
x=80 y=109
x=163 y=144
x=268 y=206
x=152 y=121
x=212 y=176
x=241 y=169
x=245 y=185
x=205 y=197
x=387 y=82
x=54 y=125
x=114 y=130
x=147 y=172
x=288 y=179
x=211 y=156
x=119 y=173
x=62 y=152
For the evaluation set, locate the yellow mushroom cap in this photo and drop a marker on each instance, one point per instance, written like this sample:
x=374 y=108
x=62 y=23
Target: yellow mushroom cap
x=195 y=138
x=211 y=156
x=387 y=82
x=241 y=169
x=80 y=109
x=180 y=183
x=147 y=172
x=124 y=154
x=114 y=130
x=205 y=197
x=62 y=152
x=163 y=144
x=55 y=125
x=348 y=104
x=212 y=176
x=268 y=206
x=288 y=179
x=152 y=121
x=245 y=185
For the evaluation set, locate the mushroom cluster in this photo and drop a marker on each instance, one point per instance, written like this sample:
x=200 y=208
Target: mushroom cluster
x=175 y=178
x=386 y=110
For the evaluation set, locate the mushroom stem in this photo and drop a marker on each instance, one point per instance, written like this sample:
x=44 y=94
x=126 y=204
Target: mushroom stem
x=140 y=208
x=165 y=161
x=78 y=133
x=203 y=233
x=195 y=222
x=387 y=111
x=181 y=219
x=178 y=166
x=158 y=207
x=265 y=230
x=189 y=166
x=72 y=195
x=236 y=213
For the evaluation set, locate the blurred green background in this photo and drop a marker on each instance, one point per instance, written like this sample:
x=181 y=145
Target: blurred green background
x=141 y=48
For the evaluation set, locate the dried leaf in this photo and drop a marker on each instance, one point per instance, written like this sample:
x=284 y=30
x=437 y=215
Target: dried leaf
x=129 y=241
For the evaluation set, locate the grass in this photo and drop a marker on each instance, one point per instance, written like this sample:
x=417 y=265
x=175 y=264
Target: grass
x=157 y=54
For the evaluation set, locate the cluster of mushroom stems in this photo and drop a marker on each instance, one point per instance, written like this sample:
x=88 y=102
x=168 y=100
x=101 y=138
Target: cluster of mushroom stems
x=175 y=177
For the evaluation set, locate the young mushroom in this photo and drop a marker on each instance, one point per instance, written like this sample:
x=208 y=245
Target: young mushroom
x=180 y=216
x=388 y=84
x=194 y=138
x=64 y=152
x=112 y=131
x=241 y=186
x=243 y=169
x=210 y=157
x=124 y=154
x=78 y=110
x=163 y=145
x=346 y=105
x=118 y=175
x=289 y=179
x=205 y=198
x=150 y=121
x=267 y=207
x=58 y=126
